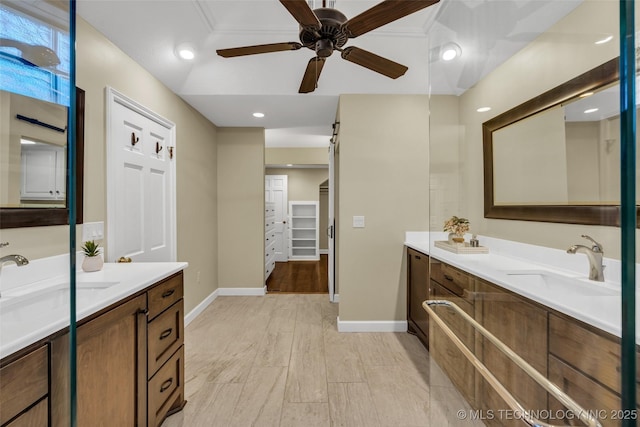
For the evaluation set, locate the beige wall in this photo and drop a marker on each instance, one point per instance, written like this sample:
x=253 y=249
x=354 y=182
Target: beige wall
x=384 y=175
x=240 y=207
x=551 y=60
x=101 y=64
x=296 y=156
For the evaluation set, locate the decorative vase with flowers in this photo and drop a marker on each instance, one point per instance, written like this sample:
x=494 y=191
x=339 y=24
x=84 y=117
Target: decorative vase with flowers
x=456 y=228
x=92 y=260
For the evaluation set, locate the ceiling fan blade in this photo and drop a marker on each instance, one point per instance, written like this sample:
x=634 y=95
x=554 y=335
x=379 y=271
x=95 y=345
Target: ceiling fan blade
x=260 y=48
x=311 y=75
x=301 y=11
x=374 y=62
x=383 y=13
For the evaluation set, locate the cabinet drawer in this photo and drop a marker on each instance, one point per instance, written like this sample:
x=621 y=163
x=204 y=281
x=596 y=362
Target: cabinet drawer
x=165 y=294
x=589 y=352
x=166 y=389
x=457 y=281
x=165 y=336
x=24 y=382
x=38 y=416
x=587 y=393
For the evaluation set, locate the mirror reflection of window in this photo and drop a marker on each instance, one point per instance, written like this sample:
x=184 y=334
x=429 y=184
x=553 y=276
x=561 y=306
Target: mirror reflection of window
x=35 y=53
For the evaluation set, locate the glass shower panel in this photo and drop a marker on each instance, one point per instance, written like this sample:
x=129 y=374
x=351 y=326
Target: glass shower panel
x=37 y=204
x=526 y=142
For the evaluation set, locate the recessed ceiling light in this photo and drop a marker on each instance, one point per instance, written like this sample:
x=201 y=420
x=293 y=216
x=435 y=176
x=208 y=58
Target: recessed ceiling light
x=590 y=110
x=450 y=51
x=604 y=40
x=186 y=51
x=289 y=165
x=483 y=109
x=258 y=115
x=584 y=95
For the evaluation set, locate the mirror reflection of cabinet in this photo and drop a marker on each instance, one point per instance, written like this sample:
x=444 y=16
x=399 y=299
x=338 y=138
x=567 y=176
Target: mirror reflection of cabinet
x=43 y=170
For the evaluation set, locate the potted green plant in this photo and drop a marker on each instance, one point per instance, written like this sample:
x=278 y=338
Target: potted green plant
x=92 y=260
x=456 y=228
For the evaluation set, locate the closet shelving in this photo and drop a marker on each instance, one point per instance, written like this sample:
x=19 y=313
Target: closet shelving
x=303 y=230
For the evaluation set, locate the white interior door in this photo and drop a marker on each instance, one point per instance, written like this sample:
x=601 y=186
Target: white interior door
x=331 y=231
x=140 y=182
x=275 y=187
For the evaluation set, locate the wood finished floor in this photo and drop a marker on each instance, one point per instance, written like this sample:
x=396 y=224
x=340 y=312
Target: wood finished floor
x=300 y=276
x=279 y=360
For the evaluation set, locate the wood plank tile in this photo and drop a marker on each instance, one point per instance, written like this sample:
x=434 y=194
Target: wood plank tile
x=305 y=414
x=342 y=358
x=275 y=349
x=351 y=405
x=400 y=394
x=260 y=403
x=212 y=406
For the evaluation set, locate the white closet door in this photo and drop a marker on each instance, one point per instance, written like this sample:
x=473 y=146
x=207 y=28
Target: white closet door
x=141 y=185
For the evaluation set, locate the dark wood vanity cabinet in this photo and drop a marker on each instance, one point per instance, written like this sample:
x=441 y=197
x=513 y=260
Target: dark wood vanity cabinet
x=417 y=292
x=521 y=326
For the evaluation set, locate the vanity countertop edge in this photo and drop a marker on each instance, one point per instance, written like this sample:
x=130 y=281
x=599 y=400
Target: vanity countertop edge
x=22 y=328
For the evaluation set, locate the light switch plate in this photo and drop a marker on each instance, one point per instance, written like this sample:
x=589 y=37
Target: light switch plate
x=358 y=221
x=93 y=231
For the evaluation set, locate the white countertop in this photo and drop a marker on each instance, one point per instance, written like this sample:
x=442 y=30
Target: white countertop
x=597 y=304
x=33 y=311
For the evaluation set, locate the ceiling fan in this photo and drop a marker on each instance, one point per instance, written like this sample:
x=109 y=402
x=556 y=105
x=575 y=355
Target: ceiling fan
x=325 y=29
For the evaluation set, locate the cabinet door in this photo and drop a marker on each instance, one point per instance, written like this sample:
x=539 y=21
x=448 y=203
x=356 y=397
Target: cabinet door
x=418 y=281
x=523 y=328
x=39 y=174
x=111 y=369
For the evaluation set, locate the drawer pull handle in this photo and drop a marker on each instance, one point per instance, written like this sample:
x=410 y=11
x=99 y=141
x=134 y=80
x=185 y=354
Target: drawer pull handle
x=417 y=257
x=449 y=278
x=167 y=294
x=166 y=333
x=165 y=385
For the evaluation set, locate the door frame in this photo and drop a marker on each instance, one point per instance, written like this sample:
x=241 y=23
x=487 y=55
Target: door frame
x=331 y=273
x=112 y=97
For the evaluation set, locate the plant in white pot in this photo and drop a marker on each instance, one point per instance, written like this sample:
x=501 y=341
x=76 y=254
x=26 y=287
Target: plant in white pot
x=92 y=260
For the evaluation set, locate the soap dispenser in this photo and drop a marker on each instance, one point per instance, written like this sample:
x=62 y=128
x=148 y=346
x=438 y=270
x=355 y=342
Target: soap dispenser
x=474 y=242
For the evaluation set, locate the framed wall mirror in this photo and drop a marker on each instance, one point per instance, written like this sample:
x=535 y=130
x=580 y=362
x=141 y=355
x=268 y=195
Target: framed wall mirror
x=555 y=158
x=34 y=168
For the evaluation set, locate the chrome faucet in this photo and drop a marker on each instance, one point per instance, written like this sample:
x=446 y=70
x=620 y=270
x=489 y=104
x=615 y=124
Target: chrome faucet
x=594 y=255
x=19 y=260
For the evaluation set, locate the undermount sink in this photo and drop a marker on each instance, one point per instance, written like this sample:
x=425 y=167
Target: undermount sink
x=556 y=283
x=49 y=298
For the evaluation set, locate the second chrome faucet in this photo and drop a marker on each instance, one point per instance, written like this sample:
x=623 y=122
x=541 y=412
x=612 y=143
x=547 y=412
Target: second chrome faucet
x=594 y=255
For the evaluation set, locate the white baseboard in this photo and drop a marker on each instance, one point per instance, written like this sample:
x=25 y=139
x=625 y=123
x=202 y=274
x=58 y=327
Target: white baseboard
x=336 y=297
x=200 y=307
x=242 y=291
x=323 y=251
x=372 y=326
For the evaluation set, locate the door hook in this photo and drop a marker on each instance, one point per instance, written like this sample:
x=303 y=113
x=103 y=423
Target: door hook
x=170 y=152
x=134 y=139
x=158 y=147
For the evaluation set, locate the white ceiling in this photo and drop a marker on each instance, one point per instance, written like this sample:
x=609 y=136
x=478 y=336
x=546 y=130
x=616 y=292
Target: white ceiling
x=228 y=90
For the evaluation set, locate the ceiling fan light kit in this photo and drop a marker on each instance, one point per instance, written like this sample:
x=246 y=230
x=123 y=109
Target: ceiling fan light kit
x=327 y=29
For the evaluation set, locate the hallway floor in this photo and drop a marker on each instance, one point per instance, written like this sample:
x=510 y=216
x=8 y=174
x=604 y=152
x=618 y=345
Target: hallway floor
x=300 y=276
x=279 y=360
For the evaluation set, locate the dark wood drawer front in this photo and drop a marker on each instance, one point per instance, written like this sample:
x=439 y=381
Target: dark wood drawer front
x=165 y=336
x=165 y=388
x=165 y=295
x=587 y=351
x=457 y=281
x=453 y=320
x=38 y=416
x=587 y=393
x=23 y=383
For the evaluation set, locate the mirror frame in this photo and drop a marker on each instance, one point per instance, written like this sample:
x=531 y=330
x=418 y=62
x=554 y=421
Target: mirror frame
x=596 y=78
x=36 y=217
